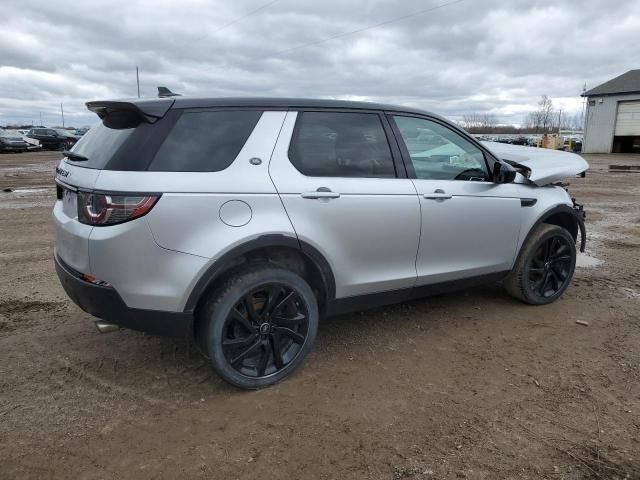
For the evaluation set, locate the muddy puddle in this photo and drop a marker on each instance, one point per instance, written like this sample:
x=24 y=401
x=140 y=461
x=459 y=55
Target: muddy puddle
x=586 y=261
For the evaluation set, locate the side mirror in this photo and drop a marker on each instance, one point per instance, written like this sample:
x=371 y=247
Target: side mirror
x=503 y=173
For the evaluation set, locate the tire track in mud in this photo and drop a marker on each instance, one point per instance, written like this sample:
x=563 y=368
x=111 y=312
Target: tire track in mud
x=97 y=382
x=14 y=314
x=11 y=307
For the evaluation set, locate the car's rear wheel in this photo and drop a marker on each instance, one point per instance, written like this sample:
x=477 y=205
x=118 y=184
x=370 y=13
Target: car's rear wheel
x=260 y=325
x=544 y=267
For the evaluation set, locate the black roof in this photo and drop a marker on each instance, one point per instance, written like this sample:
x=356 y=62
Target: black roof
x=626 y=83
x=279 y=102
x=157 y=107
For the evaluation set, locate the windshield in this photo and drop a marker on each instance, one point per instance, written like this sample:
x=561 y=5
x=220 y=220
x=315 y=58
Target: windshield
x=64 y=133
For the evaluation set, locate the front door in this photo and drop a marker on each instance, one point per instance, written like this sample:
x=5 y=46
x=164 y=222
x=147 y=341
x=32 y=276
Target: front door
x=470 y=225
x=336 y=174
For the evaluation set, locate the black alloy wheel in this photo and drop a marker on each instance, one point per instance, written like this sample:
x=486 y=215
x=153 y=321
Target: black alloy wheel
x=265 y=330
x=544 y=267
x=258 y=326
x=550 y=267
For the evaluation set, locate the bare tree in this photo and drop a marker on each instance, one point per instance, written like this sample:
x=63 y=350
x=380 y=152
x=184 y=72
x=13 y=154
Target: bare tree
x=490 y=121
x=531 y=121
x=470 y=121
x=542 y=118
x=545 y=107
x=577 y=121
x=572 y=122
x=479 y=122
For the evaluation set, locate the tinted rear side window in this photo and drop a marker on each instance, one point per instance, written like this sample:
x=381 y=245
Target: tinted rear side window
x=205 y=141
x=341 y=144
x=99 y=145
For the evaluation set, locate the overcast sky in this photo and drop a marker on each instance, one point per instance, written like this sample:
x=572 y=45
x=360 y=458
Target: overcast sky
x=469 y=56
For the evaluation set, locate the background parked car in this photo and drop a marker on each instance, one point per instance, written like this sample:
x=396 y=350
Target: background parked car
x=53 y=139
x=70 y=135
x=12 y=141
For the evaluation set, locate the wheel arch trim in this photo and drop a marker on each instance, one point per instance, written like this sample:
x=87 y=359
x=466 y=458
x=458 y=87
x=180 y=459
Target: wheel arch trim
x=226 y=261
x=577 y=215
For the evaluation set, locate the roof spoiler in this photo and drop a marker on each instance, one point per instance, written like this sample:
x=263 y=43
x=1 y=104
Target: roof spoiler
x=130 y=113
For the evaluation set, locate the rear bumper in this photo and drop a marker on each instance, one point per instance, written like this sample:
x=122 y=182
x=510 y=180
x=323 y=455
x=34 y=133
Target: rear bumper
x=104 y=302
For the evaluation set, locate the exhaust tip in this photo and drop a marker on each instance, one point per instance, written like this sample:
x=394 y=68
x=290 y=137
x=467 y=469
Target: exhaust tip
x=105 y=327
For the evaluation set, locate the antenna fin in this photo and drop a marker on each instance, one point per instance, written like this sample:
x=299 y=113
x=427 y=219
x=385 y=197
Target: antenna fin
x=165 y=92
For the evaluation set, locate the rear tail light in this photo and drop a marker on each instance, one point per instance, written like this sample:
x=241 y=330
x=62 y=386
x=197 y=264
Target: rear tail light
x=103 y=209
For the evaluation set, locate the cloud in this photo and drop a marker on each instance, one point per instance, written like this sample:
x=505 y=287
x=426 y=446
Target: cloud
x=491 y=56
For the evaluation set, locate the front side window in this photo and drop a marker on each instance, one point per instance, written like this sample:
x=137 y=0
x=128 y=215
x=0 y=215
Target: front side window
x=438 y=153
x=341 y=144
x=205 y=141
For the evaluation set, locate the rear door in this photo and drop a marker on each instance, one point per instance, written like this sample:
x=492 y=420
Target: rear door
x=341 y=185
x=470 y=225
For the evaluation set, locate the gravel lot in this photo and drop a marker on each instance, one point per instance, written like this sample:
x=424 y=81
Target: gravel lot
x=466 y=385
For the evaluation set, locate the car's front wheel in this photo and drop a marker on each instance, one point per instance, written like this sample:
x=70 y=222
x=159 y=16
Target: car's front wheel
x=260 y=324
x=544 y=267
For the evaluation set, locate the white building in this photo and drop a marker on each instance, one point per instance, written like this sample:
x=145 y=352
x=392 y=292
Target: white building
x=612 y=121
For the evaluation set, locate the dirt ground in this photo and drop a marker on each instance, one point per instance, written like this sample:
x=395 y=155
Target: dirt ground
x=468 y=385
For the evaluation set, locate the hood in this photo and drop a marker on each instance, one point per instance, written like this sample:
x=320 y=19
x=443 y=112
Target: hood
x=544 y=165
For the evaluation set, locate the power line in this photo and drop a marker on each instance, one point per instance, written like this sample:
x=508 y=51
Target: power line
x=233 y=22
x=370 y=27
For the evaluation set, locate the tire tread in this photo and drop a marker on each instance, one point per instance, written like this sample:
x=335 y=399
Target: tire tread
x=246 y=274
x=515 y=283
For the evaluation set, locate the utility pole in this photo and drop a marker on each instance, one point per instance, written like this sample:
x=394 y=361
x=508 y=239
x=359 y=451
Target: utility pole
x=41 y=119
x=560 y=120
x=584 y=109
x=62 y=112
x=138 y=80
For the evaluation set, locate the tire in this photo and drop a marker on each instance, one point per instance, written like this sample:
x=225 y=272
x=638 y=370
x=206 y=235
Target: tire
x=259 y=326
x=544 y=267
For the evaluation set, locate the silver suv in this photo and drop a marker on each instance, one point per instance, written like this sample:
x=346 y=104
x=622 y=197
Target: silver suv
x=240 y=222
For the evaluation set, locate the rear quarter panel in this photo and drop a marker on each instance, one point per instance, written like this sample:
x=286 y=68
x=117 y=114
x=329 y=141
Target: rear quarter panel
x=189 y=216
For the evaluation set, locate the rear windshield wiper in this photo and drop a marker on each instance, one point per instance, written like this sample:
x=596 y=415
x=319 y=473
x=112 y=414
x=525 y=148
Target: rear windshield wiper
x=76 y=157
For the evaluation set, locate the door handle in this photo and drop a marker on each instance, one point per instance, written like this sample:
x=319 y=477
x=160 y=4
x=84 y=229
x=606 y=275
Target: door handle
x=322 y=192
x=437 y=195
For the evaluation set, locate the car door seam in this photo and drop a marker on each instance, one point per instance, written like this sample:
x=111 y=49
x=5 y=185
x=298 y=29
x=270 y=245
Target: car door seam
x=284 y=208
x=415 y=263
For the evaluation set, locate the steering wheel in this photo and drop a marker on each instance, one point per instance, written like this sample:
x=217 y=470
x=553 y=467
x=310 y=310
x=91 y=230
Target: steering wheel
x=468 y=171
